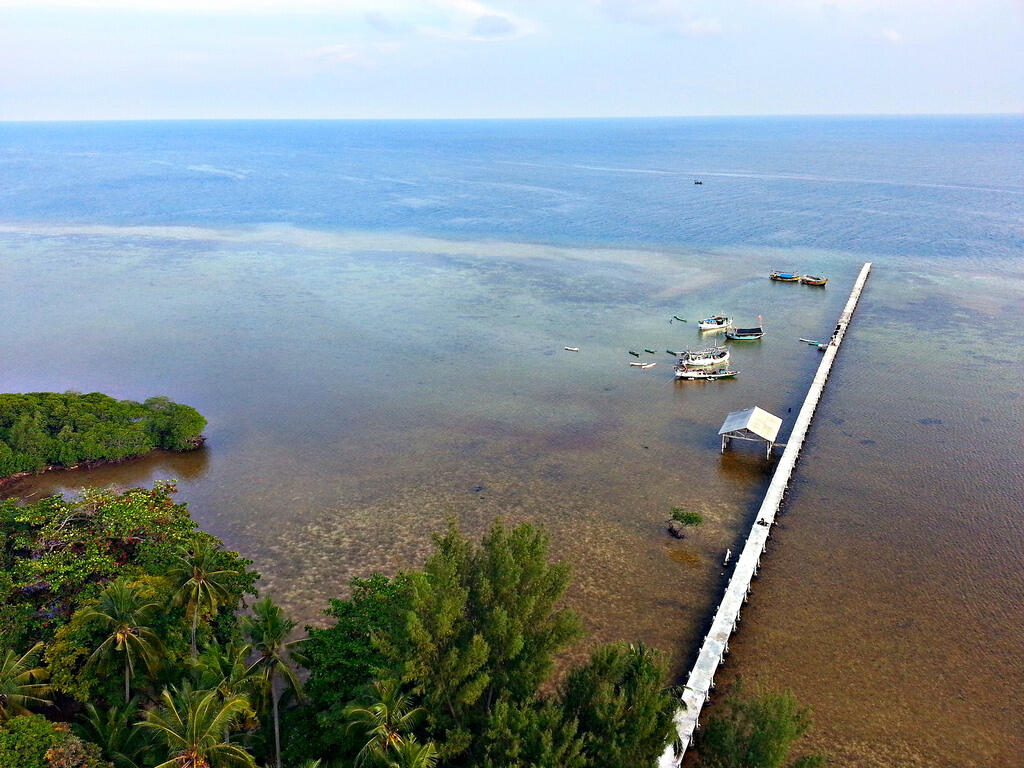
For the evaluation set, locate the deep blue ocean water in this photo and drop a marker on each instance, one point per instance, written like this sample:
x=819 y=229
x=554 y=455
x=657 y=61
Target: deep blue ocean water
x=815 y=182
x=372 y=316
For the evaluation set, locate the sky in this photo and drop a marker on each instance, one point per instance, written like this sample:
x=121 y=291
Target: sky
x=178 y=59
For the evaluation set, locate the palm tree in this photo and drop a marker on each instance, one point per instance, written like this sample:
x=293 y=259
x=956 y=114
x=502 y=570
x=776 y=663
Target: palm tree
x=201 y=583
x=17 y=689
x=388 y=719
x=123 y=611
x=411 y=754
x=268 y=629
x=191 y=724
x=115 y=732
x=227 y=671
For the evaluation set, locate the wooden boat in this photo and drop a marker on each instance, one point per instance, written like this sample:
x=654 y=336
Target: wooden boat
x=745 y=334
x=704 y=374
x=785 y=277
x=716 y=323
x=813 y=279
x=701 y=358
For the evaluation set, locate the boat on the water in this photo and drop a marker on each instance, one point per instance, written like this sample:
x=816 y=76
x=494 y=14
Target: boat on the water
x=704 y=374
x=813 y=279
x=746 y=334
x=701 y=358
x=716 y=323
x=785 y=277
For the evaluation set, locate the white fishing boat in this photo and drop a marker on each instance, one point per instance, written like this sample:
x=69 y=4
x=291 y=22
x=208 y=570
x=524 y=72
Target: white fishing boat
x=704 y=374
x=716 y=323
x=701 y=358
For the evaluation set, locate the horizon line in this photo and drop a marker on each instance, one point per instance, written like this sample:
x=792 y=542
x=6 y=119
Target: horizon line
x=774 y=115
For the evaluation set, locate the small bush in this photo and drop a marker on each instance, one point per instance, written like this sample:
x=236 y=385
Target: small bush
x=687 y=518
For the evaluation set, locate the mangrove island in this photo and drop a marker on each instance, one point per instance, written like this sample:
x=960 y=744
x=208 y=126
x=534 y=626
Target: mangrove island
x=49 y=430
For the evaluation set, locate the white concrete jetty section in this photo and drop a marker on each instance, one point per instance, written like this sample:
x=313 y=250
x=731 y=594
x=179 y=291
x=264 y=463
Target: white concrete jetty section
x=716 y=643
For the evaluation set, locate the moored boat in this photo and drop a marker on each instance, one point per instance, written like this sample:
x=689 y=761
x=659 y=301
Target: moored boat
x=704 y=357
x=813 y=279
x=704 y=374
x=746 y=334
x=716 y=323
x=784 y=277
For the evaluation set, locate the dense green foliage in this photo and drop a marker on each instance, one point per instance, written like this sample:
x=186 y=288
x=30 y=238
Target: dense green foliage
x=342 y=661
x=455 y=658
x=118 y=586
x=40 y=429
x=32 y=741
x=483 y=622
x=145 y=646
x=343 y=658
x=621 y=706
x=57 y=554
x=755 y=732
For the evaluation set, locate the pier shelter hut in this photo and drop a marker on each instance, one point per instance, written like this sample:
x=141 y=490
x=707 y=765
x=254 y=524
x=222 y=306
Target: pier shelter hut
x=754 y=424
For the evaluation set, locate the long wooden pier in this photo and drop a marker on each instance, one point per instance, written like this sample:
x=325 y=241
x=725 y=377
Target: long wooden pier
x=716 y=643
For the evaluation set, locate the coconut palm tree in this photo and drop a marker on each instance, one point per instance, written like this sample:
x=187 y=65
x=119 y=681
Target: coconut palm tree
x=123 y=611
x=115 y=731
x=191 y=723
x=411 y=754
x=388 y=718
x=202 y=587
x=227 y=670
x=18 y=682
x=268 y=629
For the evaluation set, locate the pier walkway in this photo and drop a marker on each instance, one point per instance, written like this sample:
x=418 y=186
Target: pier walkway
x=716 y=643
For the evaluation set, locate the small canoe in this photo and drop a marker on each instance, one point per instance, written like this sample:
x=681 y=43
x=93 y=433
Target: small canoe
x=785 y=277
x=814 y=280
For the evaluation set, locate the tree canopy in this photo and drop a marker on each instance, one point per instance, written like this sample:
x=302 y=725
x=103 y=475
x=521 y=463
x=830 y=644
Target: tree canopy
x=40 y=429
x=756 y=731
x=469 y=644
x=56 y=554
x=148 y=644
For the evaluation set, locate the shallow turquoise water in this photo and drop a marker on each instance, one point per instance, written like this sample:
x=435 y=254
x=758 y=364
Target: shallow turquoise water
x=372 y=317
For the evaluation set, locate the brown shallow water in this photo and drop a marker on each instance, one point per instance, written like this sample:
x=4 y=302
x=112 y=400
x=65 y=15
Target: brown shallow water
x=349 y=421
x=892 y=600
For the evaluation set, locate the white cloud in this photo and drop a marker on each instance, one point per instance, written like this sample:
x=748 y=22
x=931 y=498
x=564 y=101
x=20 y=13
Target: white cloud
x=674 y=16
x=701 y=27
x=449 y=19
x=220 y=6
x=350 y=54
x=892 y=35
x=336 y=54
x=471 y=20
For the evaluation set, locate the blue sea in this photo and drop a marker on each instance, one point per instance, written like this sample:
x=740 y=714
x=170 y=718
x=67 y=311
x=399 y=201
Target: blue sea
x=373 y=317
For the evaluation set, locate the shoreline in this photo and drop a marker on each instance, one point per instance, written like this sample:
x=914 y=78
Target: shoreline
x=198 y=443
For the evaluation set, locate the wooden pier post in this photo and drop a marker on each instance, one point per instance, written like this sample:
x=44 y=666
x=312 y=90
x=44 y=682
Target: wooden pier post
x=702 y=676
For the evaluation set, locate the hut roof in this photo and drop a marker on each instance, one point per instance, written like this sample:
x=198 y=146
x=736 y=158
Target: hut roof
x=756 y=420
